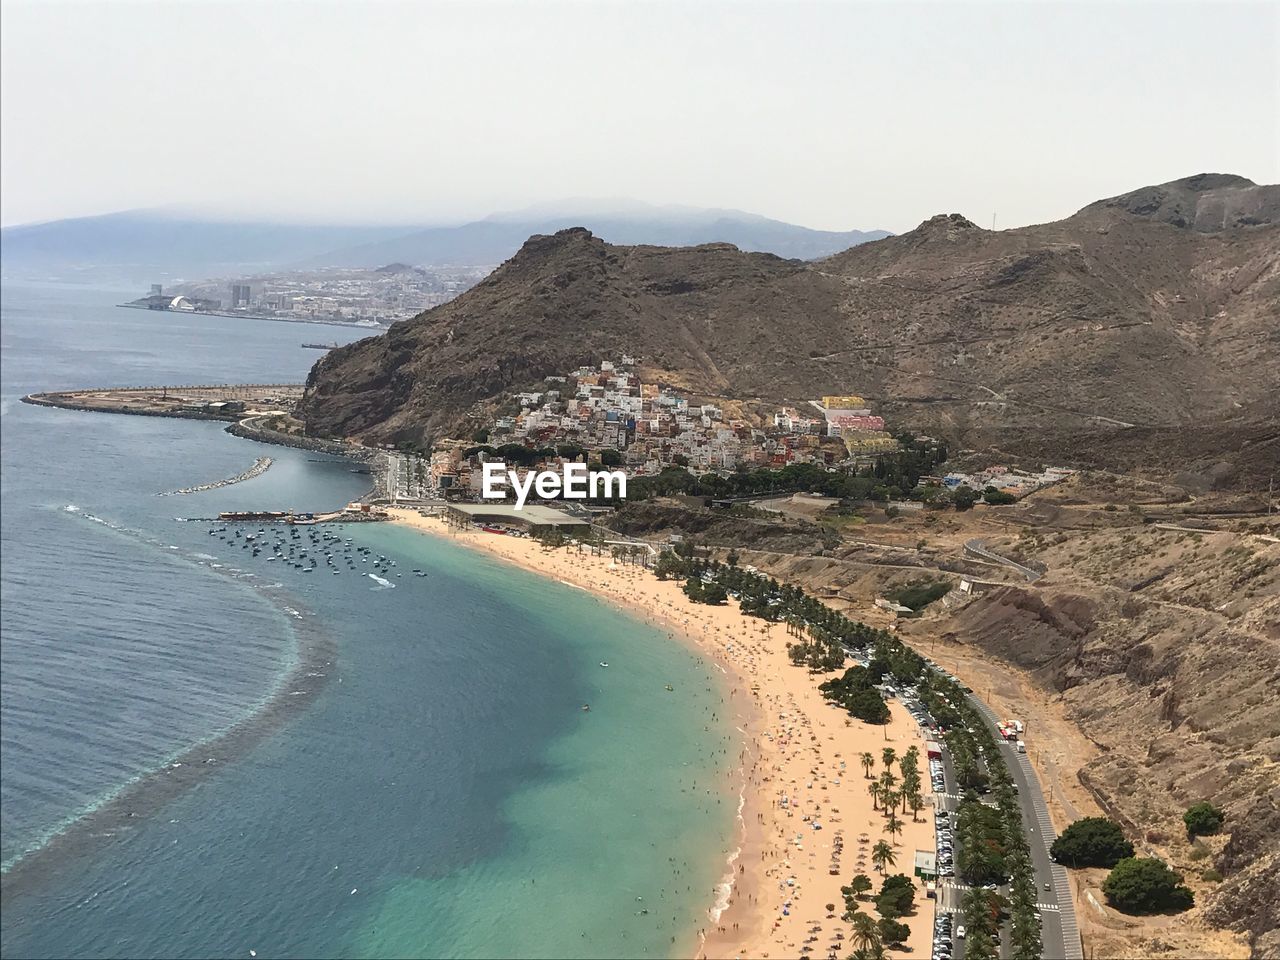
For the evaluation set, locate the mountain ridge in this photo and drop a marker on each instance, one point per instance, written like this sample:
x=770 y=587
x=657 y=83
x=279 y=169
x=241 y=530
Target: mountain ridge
x=146 y=245
x=1107 y=320
x=496 y=238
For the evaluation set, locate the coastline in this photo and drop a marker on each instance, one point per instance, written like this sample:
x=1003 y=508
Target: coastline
x=798 y=764
x=258 y=316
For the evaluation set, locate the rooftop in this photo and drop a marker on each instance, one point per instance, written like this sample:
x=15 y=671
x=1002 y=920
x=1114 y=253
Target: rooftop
x=532 y=512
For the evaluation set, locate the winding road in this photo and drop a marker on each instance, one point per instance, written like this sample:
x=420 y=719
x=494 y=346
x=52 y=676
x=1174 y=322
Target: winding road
x=978 y=549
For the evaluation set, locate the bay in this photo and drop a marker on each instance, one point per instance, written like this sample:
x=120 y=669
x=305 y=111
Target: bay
x=438 y=792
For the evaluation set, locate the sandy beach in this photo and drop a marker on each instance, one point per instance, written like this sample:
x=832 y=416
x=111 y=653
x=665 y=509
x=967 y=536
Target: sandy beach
x=806 y=809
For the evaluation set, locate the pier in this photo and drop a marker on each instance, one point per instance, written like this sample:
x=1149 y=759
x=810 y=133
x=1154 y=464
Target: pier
x=351 y=513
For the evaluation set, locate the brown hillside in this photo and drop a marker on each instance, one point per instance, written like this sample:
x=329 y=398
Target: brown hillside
x=1133 y=316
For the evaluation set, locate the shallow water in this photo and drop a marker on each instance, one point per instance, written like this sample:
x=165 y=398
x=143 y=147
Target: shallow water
x=437 y=790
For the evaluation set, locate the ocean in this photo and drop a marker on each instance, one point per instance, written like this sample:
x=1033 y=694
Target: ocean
x=207 y=752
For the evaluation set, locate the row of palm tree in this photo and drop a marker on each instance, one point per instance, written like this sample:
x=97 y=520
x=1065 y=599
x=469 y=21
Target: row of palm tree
x=998 y=846
x=979 y=762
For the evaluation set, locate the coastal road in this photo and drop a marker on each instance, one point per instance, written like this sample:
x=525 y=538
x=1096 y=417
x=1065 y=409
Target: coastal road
x=1059 y=934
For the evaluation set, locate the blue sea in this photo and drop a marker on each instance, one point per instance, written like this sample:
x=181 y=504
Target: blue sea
x=206 y=753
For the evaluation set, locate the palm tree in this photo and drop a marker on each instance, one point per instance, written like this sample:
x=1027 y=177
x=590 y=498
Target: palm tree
x=873 y=788
x=917 y=803
x=887 y=782
x=882 y=856
x=868 y=761
x=893 y=826
x=890 y=798
x=887 y=755
x=865 y=935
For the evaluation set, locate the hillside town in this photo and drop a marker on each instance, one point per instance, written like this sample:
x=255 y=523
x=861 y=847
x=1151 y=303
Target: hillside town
x=608 y=415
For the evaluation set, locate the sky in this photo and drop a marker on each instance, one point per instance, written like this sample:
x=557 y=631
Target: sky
x=832 y=115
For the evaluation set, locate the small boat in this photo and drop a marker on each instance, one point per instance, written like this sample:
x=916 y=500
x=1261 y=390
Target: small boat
x=670 y=688
x=586 y=707
x=604 y=663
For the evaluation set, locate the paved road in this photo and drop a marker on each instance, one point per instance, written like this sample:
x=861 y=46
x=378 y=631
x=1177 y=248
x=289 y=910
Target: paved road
x=1059 y=934
x=978 y=549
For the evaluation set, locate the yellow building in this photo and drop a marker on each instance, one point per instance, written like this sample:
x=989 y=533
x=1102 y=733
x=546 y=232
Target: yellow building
x=843 y=403
x=867 y=441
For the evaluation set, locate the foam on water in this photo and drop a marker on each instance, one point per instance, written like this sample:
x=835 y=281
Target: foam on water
x=61 y=827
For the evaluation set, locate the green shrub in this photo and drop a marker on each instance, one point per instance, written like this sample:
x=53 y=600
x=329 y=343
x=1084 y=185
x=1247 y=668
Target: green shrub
x=1145 y=885
x=918 y=594
x=896 y=897
x=998 y=497
x=893 y=931
x=1202 y=819
x=1091 y=842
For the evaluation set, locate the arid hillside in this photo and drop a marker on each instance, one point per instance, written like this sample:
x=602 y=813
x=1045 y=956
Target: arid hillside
x=1106 y=335
x=1145 y=660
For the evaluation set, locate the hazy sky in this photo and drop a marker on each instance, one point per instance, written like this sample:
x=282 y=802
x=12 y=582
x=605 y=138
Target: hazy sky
x=833 y=115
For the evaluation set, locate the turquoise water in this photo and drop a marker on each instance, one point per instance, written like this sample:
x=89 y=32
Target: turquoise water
x=434 y=789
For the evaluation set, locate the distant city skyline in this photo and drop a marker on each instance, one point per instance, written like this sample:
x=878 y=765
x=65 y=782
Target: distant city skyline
x=831 y=116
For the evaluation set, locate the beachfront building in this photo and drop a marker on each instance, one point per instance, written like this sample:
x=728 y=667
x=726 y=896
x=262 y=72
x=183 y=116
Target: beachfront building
x=926 y=865
x=532 y=518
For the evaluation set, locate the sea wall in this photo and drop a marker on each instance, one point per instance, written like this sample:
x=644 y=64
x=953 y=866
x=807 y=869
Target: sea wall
x=42 y=400
x=252 y=429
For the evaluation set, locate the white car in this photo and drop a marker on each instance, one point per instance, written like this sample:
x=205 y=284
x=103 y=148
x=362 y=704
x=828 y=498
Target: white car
x=960 y=932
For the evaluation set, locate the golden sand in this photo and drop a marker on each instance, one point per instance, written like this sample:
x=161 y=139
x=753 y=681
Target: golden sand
x=800 y=765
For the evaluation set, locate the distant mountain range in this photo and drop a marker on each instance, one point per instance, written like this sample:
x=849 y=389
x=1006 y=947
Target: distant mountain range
x=142 y=246
x=151 y=246
x=496 y=238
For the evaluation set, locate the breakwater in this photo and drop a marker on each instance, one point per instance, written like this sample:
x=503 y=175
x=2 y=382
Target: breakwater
x=49 y=400
x=260 y=466
x=253 y=428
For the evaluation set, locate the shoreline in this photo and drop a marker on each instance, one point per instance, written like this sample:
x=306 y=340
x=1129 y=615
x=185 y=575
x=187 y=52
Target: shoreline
x=798 y=764
x=352 y=324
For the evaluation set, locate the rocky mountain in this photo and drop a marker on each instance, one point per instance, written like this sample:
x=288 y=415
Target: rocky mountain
x=1208 y=202
x=1127 y=330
